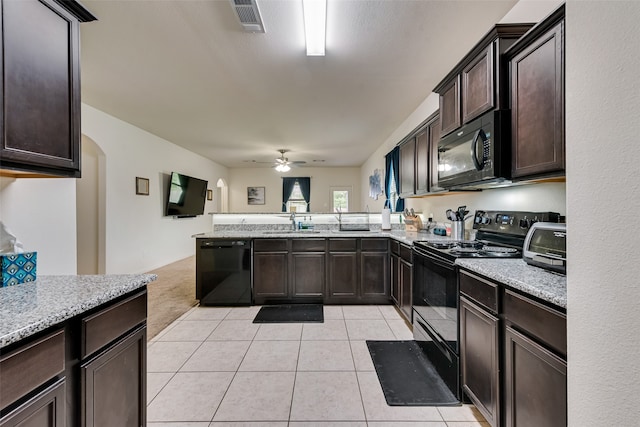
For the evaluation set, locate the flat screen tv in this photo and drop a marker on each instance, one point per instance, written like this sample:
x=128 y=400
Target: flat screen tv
x=186 y=196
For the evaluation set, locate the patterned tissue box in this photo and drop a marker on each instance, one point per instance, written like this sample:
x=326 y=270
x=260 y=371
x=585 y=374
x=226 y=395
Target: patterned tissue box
x=18 y=268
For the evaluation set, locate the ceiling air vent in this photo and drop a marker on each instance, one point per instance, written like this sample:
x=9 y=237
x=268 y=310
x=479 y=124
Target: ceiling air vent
x=249 y=15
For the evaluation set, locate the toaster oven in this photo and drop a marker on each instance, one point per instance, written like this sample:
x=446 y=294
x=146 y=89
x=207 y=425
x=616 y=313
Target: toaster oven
x=546 y=246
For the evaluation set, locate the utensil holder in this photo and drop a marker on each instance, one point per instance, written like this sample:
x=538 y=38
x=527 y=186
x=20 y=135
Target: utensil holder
x=457 y=230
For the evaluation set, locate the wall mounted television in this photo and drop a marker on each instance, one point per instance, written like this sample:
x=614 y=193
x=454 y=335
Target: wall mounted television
x=186 y=196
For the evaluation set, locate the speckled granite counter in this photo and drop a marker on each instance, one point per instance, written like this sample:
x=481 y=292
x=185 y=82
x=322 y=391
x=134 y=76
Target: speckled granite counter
x=399 y=235
x=519 y=275
x=32 y=307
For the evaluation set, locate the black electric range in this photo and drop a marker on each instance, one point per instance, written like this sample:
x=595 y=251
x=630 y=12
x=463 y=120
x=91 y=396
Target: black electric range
x=499 y=234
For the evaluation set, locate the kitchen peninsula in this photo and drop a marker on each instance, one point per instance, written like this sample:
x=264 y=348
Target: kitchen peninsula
x=67 y=343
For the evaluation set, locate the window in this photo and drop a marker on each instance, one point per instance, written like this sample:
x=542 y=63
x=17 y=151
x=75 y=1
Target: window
x=340 y=199
x=393 y=195
x=296 y=202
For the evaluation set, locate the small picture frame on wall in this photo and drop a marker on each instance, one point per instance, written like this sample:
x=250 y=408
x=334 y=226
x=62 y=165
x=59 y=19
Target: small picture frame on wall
x=142 y=186
x=209 y=194
x=255 y=195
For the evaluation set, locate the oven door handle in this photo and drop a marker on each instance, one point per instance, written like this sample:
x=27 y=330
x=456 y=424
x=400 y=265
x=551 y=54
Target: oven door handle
x=439 y=261
x=436 y=340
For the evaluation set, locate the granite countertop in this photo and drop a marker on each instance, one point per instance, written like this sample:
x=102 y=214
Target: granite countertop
x=29 y=308
x=519 y=275
x=406 y=237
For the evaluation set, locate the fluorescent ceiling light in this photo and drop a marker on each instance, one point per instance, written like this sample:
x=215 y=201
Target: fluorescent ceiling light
x=315 y=25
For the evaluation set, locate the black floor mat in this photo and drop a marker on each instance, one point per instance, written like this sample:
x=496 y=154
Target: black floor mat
x=407 y=377
x=292 y=313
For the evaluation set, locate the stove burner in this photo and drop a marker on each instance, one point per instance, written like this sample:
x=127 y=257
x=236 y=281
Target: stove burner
x=463 y=250
x=499 y=249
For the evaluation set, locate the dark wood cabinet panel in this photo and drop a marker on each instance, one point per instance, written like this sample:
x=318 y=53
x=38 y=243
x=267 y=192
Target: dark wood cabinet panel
x=434 y=139
x=41 y=90
x=394 y=268
x=374 y=276
x=479 y=343
x=308 y=275
x=30 y=366
x=535 y=384
x=46 y=409
x=482 y=291
x=406 y=287
x=450 y=119
x=407 y=168
x=477 y=85
x=114 y=384
x=343 y=275
x=270 y=276
x=537 y=105
x=422 y=162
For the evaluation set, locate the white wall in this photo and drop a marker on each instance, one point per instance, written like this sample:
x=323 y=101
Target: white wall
x=603 y=199
x=138 y=235
x=41 y=214
x=322 y=179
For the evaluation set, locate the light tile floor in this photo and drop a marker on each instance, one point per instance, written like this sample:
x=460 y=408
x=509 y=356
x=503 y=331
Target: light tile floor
x=213 y=367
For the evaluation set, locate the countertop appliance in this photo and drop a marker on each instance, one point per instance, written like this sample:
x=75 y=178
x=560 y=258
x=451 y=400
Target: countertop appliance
x=500 y=234
x=477 y=155
x=223 y=272
x=546 y=246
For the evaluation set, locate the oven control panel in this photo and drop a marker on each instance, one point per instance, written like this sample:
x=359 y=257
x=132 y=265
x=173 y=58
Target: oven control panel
x=511 y=222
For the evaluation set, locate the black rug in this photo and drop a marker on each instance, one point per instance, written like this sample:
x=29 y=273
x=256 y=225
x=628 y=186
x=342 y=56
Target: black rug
x=307 y=313
x=407 y=377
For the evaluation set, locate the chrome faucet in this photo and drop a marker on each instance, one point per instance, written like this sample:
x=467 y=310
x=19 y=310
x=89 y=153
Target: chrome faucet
x=292 y=217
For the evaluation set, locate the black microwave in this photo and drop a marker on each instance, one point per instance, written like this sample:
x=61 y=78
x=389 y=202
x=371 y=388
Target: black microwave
x=478 y=155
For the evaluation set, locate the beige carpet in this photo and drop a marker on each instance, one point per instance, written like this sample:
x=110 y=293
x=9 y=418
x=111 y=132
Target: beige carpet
x=171 y=295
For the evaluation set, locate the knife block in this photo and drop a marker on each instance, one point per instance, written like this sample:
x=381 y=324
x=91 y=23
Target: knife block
x=413 y=223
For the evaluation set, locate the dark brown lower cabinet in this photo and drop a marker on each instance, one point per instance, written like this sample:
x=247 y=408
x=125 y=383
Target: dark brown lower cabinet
x=114 y=384
x=343 y=276
x=46 y=409
x=394 y=267
x=535 y=384
x=406 y=287
x=270 y=280
x=479 y=343
x=308 y=275
x=374 y=276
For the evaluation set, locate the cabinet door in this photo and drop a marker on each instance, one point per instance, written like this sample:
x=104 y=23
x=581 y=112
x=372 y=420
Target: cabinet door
x=270 y=276
x=343 y=275
x=477 y=86
x=395 y=279
x=407 y=168
x=46 y=409
x=41 y=91
x=450 y=107
x=406 y=286
x=114 y=389
x=434 y=139
x=537 y=106
x=479 y=359
x=308 y=275
x=374 y=276
x=422 y=162
x=535 y=384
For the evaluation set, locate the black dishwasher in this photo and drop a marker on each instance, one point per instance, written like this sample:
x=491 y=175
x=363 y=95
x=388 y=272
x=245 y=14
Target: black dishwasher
x=223 y=272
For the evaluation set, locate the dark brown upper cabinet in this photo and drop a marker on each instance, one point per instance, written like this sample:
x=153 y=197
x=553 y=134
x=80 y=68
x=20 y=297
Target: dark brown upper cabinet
x=478 y=83
x=536 y=65
x=40 y=58
x=419 y=159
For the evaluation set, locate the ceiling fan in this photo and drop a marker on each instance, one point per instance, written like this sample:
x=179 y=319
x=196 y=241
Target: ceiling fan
x=283 y=164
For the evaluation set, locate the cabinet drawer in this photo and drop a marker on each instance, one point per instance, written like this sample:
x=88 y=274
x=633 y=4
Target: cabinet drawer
x=375 y=245
x=48 y=405
x=481 y=291
x=103 y=327
x=343 y=245
x=308 y=245
x=406 y=253
x=545 y=324
x=30 y=366
x=269 y=245
x=395 y=247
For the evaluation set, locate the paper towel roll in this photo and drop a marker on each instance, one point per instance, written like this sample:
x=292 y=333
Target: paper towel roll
x=386 y=219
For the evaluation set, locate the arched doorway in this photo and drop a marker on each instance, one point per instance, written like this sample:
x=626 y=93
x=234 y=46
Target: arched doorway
x=223 y=196
x=90 y=209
